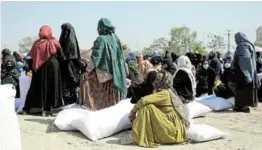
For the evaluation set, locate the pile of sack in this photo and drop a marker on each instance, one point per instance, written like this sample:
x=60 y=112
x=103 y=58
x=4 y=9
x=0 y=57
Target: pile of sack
x=104 y=123
x=95 y=125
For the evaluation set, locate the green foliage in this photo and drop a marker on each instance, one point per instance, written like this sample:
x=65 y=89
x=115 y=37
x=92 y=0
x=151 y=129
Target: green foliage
x=216 y=43
x=181 y=39
x=26 y=43
x=258 y=43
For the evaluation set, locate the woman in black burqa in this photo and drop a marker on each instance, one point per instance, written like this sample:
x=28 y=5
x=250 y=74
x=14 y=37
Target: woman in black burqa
x=70 y=68
x=45 y=92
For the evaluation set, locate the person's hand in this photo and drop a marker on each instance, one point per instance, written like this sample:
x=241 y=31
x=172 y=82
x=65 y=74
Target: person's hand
x=132 y=115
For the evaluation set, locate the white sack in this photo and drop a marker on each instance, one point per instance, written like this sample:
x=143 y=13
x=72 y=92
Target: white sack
x=65 y=117
x=195 y=109
x=24 y=85
x=205 y=97
x=105 y=122
x=9 y=126
x=231 y=100
x=200 y=132
x=216 y=104
x=69 y=106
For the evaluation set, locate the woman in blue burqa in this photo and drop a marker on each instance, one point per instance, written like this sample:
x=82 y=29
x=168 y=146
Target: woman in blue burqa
x=246 y=80
x=105 y=84
x=70 y=68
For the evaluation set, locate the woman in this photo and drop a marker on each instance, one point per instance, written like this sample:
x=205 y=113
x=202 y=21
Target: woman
x=143 y=66
x=202 y=79
x=105 y=85
x=147 y=87
x=9 y=71
x=259 y=62
x=70 y=68
x=225 y=90
x=245 y=74
x=184 y=81
x=259 y=71
x=45 y=92
x=159 y=117
x=215 y=65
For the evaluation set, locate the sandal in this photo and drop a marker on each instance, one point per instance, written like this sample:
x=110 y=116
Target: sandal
x=126 y=140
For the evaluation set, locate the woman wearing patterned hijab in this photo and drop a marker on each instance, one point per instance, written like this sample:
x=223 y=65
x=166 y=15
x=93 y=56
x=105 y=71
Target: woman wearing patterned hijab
x=105 y=85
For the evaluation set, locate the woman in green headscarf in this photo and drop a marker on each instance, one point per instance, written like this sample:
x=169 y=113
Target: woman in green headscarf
x=105 y=85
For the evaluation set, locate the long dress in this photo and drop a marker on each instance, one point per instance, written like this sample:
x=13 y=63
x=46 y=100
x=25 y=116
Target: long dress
x=45 y=92
x=157 y=122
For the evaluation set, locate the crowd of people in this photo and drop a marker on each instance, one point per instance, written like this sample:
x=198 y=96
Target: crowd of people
x=159 y=86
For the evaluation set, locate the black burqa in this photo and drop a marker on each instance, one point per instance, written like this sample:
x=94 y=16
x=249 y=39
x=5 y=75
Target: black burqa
x=9 y=72
x=70 y=68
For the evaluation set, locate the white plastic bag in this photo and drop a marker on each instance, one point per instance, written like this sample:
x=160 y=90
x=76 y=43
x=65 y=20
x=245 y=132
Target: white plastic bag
x=64 y=118
x=205 y=97
x=195 y=109
x=24 y=85
x=216 y=104
x=106 y=122
x=231 y=100
x=200 y=132
x=9 y=127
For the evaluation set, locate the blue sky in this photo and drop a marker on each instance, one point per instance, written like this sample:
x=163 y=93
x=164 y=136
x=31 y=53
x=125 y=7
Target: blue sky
x=138 y=23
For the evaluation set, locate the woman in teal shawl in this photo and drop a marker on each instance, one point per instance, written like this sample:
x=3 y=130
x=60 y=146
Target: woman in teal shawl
x=105 y=85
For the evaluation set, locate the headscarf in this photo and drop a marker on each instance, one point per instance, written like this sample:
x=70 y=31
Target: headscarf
x=183 y=63
x=143 y=67
x=6 y=52
x=44 y=47
x=131 y=57
x=18 y=57
x=164 y=81
x=108 y=54
x=156 y=60
x=156 y=53
x=69 y=42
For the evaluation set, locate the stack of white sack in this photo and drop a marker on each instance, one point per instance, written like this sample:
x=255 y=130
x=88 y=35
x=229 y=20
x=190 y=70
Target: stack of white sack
x=9 y=127
x=24 y=85
x=98 y=124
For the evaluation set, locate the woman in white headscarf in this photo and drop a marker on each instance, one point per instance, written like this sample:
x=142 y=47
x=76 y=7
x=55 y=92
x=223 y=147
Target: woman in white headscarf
x=184 y=80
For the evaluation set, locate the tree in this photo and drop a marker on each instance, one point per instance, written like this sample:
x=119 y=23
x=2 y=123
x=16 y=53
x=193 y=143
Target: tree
x=198 y=47
x=26 y=43
x=258 y=43
x=181 y=39
x=216 y=43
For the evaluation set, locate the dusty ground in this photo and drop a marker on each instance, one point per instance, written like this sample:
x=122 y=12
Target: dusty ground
x=245 y=134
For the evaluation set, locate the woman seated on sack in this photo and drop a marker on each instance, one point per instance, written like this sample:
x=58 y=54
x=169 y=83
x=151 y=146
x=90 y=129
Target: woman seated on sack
x=202 y=79
x=158 y=118
x=105 y=85
x=184 y=81
x=150 y=73
x=226 y=89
